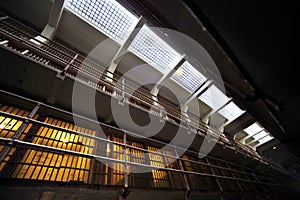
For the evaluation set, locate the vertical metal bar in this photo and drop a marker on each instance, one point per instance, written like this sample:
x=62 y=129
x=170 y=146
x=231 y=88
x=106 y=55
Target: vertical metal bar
x=20 y=130
x=216 y=110
x=122 y=98
x=213 y=172
x=110 y=155
x=155 y=90
x=125 y=161
x=200 y=90
x=169 y=173
x=181 y=168
x=123 y=87
x=238 y=182
x=62 y=73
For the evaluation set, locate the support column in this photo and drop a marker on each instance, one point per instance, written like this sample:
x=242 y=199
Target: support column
x=216 y=110
x=257 y=140
x=123 y=49
x=243 y=140
x=154 y=91
x=52 y=24
x=200 y=90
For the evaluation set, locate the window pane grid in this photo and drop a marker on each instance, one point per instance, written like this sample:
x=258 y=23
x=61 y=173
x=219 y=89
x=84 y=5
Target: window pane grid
x=151 y=48
x=231 y=111
x=213 y=97
x=260 y=135
x=265 y=139
x=188 y=77
x=105 y=15
x=253 y=129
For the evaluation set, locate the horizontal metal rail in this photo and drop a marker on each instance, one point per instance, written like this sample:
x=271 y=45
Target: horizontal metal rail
x=145 y=99
x=30 y=120
x=99 y=123
x=55 y=149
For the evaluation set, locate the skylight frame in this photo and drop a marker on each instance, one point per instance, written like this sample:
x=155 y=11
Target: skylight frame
x=107 y=16
x=188 y=77
x=265 y=139
x=213 y=97
x=148 y=46
x=253 y=129
x=231 y=111
x=260 y=135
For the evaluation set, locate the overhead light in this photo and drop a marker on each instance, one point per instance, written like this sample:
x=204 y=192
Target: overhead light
x=179 y=72
x=274 y=148
x=188 y=77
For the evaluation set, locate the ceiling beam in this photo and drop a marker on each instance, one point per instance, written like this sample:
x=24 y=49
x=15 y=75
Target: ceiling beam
x=124 y=48
x=155 y=90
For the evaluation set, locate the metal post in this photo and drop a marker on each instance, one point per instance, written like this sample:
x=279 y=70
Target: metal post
x=200 y=90
x=216 y=110
x=213 y=172
x=243 y=140
x=121 y=100
x=125 y=191
x=238 y=183
x=188 y=188
x=61 y=75
x=154 y=91
x=122 y=50
x=20 y=130
x=52 y=24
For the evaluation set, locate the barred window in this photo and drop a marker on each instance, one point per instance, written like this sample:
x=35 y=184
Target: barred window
x=188 y=77
x=151 y=48
x=106 y=15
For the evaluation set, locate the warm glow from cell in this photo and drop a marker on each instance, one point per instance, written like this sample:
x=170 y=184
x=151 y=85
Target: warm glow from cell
x=107 y=148
x=2 y=126
x=65 y=140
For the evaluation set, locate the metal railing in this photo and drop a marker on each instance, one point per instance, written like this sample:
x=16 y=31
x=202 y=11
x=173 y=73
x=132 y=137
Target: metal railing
x=23 y=41
x=125 y=152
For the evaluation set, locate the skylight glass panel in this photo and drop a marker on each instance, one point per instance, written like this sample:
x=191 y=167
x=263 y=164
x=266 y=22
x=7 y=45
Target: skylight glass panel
x=214 y=98
x=106 y=15
x=253 y=129
x=265 y=139
x=231 y=111
x=188 y=77
x=260 y=135
x=152 y=49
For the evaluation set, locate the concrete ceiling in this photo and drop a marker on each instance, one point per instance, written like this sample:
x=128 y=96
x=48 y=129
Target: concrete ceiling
x=257 y=36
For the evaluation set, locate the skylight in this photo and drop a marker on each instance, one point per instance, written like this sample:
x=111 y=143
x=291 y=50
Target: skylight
x=214 y=98
x=106 y=15
x=188 y=77
x=260 y=135
x=253 y=129
x=265 y=139
x=151 y=48
x=231 y=111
